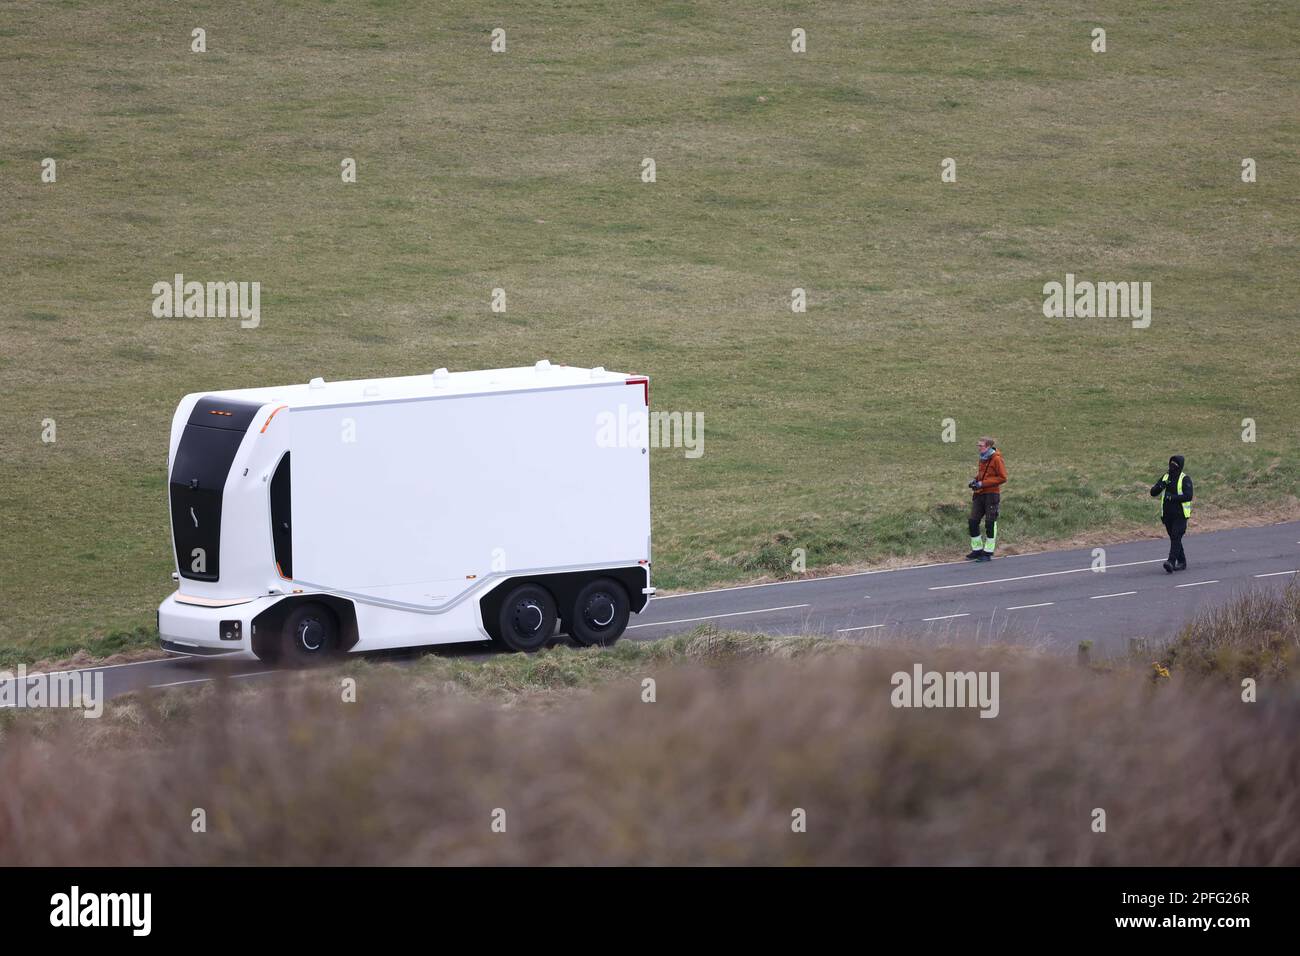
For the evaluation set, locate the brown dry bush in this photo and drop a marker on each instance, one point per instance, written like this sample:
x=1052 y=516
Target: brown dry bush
x=1256 y=634
x=710 y=773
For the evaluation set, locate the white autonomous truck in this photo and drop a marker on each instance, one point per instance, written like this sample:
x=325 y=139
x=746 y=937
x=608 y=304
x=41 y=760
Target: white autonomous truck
x=311 y=520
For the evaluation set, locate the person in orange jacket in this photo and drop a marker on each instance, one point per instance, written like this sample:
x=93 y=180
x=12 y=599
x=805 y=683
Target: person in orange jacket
x=986 y=501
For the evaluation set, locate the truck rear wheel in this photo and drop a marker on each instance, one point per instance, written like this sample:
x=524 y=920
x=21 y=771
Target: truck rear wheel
x=527 y=618
x=600 y=613
x=310 y=635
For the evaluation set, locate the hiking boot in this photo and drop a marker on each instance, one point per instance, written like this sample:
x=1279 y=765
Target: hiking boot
x=974 y=555
x=1169 y=568
x=1180 y=565
x=984 y=556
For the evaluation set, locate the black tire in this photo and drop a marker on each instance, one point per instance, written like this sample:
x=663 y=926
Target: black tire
x=527 y=618
x=599 y=614
x=310 y=635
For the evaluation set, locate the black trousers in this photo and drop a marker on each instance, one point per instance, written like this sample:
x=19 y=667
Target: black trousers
x=984 y=507
x=1177 y=527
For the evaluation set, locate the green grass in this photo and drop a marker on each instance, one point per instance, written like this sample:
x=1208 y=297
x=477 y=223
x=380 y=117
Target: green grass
x=775 y=170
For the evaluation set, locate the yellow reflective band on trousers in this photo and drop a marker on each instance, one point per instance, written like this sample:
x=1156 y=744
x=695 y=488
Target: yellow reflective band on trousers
x=1187 y=505
x=991 y=541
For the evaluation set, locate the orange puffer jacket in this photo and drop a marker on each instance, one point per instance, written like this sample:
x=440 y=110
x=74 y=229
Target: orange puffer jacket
x=992 y=474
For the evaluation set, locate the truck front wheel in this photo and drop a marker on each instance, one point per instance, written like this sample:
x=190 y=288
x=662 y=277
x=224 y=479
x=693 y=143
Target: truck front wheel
x=310 y=634
x=527 y=618
x=600 y=612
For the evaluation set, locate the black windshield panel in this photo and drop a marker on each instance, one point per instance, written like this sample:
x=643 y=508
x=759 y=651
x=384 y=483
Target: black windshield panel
x=203 y=458
x=196 y=529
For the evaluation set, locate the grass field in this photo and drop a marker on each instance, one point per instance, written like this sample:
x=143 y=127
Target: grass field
x=775 y=170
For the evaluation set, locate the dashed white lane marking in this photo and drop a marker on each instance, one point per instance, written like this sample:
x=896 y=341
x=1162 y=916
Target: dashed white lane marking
x=1098 y=597
x=177 y=683
x=945 y=617
x=710 y=617
x=205 y=680
x=1273 y=574
x=865 y=627
x=1195 y=584
x=1043 y=574
x=1021 y=607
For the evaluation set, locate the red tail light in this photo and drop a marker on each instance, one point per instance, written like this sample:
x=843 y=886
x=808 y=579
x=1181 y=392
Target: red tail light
x=646 y=383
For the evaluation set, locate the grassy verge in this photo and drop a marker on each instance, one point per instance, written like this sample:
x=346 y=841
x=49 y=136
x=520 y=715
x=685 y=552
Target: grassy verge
x=775 y=170
x=94 y=648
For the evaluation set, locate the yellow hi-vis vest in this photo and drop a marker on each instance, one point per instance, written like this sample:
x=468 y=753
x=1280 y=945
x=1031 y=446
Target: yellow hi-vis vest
x=1187 y=505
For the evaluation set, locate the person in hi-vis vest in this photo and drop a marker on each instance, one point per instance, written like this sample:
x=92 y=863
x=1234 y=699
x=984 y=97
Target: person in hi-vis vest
x=1175 y=492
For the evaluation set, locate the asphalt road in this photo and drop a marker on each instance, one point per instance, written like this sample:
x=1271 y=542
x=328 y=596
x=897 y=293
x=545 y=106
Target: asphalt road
x=1052 y=600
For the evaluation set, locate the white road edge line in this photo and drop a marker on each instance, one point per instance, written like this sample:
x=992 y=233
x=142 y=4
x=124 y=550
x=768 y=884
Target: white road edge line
x=940 y=564
x=865 y=627
x=710 y=617
x=945 y=617
x=1273 y=574
x=1043 y=574
x=1195 y=584
x=1098 y=597
x=824 y=577
x=103 y=667
x=919 y=567
x=1021 y=607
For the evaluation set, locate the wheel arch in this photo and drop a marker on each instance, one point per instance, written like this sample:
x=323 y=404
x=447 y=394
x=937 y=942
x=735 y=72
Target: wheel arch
x=268 y=625
x=564 y=587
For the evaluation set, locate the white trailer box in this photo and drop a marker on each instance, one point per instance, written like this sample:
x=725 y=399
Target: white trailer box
x=428 y=509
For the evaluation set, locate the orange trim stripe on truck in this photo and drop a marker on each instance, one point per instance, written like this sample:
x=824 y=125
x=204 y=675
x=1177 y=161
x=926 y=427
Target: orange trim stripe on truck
x=269 y=417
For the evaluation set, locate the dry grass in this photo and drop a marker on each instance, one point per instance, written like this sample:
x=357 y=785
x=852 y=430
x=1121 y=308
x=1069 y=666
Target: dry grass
x=742 y=732
x=1257 y=635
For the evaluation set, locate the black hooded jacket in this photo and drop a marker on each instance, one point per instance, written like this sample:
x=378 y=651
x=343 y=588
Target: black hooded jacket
x=1173 y=504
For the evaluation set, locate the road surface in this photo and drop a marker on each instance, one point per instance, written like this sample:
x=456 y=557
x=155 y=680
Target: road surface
x=1051 y=599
